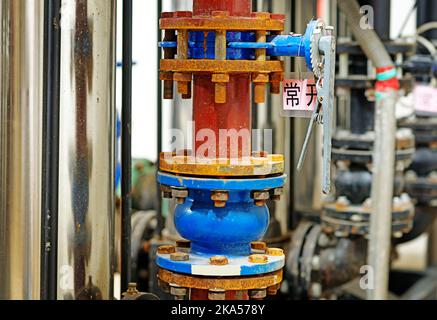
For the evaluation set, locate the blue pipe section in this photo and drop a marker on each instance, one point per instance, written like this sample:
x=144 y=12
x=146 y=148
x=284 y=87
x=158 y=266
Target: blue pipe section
x=224 y=231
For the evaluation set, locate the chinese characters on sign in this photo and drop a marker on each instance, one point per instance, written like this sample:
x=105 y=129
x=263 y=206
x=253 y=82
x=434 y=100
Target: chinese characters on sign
x=300 y=95
x=425 y=99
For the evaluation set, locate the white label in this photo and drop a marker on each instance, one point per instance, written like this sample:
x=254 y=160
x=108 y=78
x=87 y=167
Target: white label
x=300 y=96
x=425 y=99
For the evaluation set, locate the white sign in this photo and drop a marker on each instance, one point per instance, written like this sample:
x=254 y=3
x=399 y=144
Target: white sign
x=425 y=99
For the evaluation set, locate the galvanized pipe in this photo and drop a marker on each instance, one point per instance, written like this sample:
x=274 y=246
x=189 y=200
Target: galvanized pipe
x=21 y=46
x=383 y=158
x=87 y=152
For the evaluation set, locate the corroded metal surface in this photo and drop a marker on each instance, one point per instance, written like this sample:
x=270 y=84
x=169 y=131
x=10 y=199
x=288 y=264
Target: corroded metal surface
x=224 y=283
x=255 y=166
x=220 y=21
x=220 y=66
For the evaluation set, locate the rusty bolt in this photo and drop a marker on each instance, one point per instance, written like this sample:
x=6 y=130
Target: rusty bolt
x=276 y=252
x=166 y=250
x=183 y=14
x=179 y=194
x=218 y=261
x=166 y=191
x=180 y=256
x=273 y=290
x=257 y=294
x=220 y=92
x=260 y=203
x=258 y=258
x=131 y=290
x=258 y=246
x=178 y=292
x=260 y=197
x=216 y=294
x=220 y=198
x=220 y=80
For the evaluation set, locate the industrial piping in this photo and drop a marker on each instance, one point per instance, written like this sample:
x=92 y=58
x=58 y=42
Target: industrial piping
x=384 y=148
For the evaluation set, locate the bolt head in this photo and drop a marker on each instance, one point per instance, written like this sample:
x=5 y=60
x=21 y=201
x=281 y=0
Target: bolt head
x=275 y=252
x=258 y=258
x=179 y=256
x=258 y=294
x=258 y=246
x=218 y=261
x=216 y=294
x=178 y=291
x=315 y=263
x=166 y=250
x=260 y=203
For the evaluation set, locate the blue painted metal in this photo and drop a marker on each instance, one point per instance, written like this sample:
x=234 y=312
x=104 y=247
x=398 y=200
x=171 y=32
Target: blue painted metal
x=221 y=184
x=223 y=231
x=198 y=264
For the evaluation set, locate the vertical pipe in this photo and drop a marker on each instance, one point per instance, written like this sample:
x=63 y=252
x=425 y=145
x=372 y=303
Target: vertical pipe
x=160 y=219
x=236 y=112
x=126 y=146
x=383 y=156
x=50 y=157
x=87 y=150
x=21 y=46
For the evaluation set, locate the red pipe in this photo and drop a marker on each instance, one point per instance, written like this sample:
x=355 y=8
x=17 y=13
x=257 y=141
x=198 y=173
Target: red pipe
x=236 y=112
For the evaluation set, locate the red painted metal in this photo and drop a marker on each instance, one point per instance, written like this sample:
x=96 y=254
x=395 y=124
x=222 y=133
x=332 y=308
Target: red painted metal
x=236 y=112
x=234 y=7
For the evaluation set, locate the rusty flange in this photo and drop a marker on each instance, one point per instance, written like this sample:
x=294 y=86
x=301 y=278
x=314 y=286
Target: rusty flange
x=253 y=166
x=223 y=283
x=220 y=20
x=220 y=66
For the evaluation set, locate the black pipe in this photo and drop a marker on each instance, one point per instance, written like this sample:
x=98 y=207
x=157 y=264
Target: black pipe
x=126 y=146
x=50 y=152
x=427 y=12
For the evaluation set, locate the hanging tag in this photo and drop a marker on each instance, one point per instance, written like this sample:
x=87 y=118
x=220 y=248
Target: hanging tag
x=299 y=98
x=425 y=99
